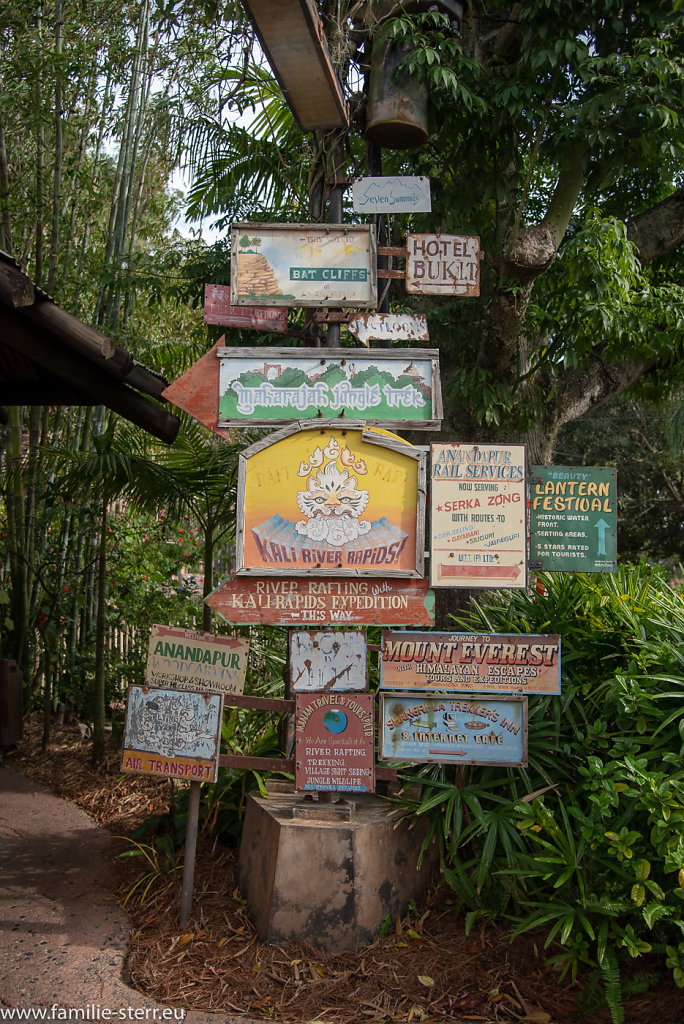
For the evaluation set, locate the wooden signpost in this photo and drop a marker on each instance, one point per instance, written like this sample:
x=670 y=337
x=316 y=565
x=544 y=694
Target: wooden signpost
x=304 y=265
x=184 y=660
x=330 y=501
x=296 y=601
x=461 y=661
x=272 y=386
x=453 y=729
x=478 y=516
x=443 y=264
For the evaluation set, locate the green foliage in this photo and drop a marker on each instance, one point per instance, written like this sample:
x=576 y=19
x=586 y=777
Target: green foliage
x=587 y=842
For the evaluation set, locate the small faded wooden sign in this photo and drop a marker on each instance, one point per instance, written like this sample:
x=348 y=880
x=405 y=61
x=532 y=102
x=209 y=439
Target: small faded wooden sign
x=172 y=734
x=183 y=660
x=392 y=194
x=272 y=386
x=330 y=660
x=335 y=742
x=300 y=600
x=461 y=661
x=219 y=310
x=443 y=264
x=389 y=327
x=423 y=727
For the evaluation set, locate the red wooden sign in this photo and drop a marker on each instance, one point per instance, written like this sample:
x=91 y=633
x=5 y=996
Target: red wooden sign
x=334 y=742
x=218 y=310
x=294 y=601
x=197 y=391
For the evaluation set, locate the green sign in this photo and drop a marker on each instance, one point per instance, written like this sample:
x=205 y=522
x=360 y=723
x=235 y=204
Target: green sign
x=573 y=519
x=328 y=274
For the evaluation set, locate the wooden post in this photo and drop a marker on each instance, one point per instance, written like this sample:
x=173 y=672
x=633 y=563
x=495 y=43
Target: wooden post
x=190 y=852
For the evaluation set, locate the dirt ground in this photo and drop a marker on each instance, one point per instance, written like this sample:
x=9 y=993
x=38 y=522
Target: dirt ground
x=424 y=969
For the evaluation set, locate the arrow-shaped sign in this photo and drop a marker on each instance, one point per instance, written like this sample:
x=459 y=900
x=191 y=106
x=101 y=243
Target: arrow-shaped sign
x=601 y=526
x=389 y=326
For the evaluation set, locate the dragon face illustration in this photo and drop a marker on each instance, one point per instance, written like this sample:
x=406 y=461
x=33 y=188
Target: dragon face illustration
x=333 y=505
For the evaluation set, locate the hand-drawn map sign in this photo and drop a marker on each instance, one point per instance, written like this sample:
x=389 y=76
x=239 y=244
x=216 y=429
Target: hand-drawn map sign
x=331 y=501
x=202 y=662
x=335 y=742
x=273 y=386
x=389 y=327
x=332 y=660
x=392 y=194
x=461 y=661
x=573 y=519
x=173 y=734
x=478 y=516
x=304 y=265
x=453 y=730
x=218 y=310
x=296 y=601
x=443 y=264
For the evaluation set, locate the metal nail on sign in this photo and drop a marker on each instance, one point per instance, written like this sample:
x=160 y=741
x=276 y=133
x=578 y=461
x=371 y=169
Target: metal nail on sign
x=304 y=265
x=392 y=194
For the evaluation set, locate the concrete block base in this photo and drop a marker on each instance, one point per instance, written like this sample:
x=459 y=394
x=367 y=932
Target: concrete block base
x=311 y=876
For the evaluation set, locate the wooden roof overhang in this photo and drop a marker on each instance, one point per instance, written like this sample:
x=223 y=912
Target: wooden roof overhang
x=49 y=357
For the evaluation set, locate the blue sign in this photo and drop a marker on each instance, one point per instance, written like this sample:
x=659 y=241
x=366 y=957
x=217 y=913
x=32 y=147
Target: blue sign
x=453 y=729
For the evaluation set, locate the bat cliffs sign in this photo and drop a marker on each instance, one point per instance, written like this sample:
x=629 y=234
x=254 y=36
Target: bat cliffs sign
x=331 y=501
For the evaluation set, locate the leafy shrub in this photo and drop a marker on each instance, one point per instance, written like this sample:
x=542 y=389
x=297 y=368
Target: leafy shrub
x=588 y=840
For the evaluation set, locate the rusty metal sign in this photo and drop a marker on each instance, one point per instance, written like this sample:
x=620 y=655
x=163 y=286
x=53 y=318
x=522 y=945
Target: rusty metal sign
x=274 y=386
x=304 y=265
x=218 y=310
x=330 y=660
x=573 y=519
x=443 y=265
x=389 y=327
x=182 y=660
x=453 y=730
x=335 y=742
x=478 y=516
x=331 y=501
x=493 y=663
x=300 y=600
x=172 y=734
x=392 y=194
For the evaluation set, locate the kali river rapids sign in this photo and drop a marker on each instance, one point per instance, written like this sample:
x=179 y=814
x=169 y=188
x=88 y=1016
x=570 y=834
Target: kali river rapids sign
x=461 y=661
x=273 y=386
x=295 y=601
x=304 y=265
x=331 y=501
x=183 y=660
x=478 y=516
x=573 y=519
x=453 y=730
x=172 y=734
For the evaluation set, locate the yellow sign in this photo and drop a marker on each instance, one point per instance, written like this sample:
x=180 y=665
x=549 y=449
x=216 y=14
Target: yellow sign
x=331 y=501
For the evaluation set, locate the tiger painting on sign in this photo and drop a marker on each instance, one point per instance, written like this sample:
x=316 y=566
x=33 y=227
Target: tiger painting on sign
x=332 y=501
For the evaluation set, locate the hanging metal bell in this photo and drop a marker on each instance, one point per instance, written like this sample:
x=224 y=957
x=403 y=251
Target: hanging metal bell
x=397 y=106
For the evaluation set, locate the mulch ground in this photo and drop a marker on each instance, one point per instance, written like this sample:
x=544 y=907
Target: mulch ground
x=426 y=969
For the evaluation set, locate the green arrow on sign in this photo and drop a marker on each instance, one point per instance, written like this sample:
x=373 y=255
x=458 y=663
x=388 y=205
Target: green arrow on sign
x=601 y=526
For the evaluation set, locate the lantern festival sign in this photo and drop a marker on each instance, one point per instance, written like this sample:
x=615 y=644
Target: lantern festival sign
x=460 y=661
x=273 y=386
x=478 y=516
x=172 y=734
x=453 y=730
x=573 y=519
x=304 y=265
x=183 y=660
x=331 y=501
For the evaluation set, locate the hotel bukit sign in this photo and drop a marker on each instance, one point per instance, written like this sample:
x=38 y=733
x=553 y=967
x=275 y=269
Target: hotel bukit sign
x=331 y=501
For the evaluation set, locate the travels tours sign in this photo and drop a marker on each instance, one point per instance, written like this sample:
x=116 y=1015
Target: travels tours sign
x=183 y=660
x=172 y=734
x=463 y=661
x=478 y=516
x=218 y=310
x=304 y=265
x=328 y=660
x=573 y=519
x=389 y=327
x=335 y=742
x=331 y=501
x=273 y=386
x=392 y=194
x=443 y=264
x=299 y=600
x=453 y=730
